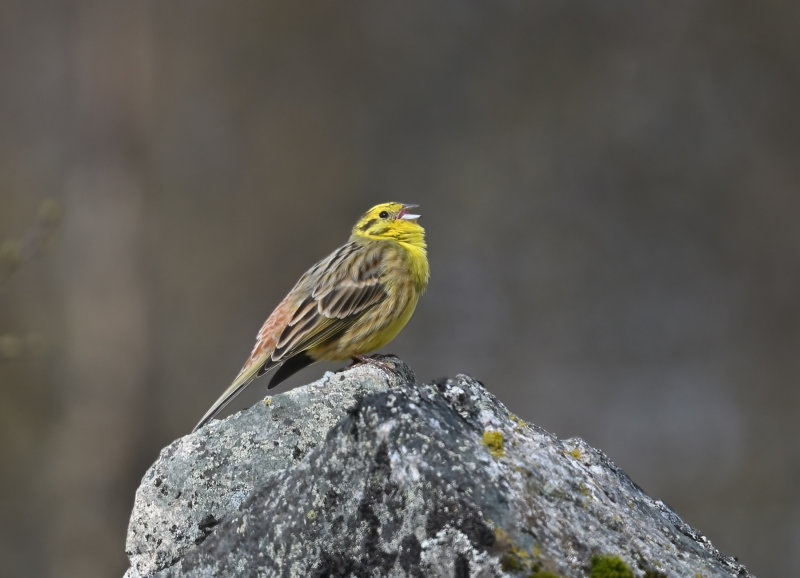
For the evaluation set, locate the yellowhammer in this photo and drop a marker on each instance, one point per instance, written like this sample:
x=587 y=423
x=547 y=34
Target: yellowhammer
x=354 y=301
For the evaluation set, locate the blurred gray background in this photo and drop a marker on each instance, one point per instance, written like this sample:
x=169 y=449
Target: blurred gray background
x=610 y=192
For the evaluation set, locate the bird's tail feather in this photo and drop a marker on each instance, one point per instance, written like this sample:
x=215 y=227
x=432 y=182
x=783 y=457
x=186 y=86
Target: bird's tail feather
x=247 y=375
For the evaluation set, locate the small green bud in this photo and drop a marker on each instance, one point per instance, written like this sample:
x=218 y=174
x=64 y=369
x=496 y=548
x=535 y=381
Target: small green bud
x=10 y=254
x=10 y=346
x=50 y=212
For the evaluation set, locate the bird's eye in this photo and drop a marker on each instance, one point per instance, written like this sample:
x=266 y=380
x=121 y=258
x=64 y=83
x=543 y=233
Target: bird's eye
x=384 y=215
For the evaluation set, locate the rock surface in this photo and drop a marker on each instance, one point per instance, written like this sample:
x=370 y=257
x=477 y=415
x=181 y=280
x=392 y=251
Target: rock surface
x=368 y=473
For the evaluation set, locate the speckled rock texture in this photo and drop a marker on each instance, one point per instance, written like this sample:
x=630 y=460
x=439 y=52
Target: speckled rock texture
x=368 y=473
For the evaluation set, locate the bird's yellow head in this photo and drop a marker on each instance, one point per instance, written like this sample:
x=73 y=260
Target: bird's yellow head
x=391 y=221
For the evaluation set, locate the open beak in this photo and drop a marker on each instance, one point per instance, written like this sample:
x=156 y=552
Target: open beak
x=404 y=214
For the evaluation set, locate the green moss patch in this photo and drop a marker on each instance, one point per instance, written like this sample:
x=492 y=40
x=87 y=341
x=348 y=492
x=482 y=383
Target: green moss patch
x=609 y=567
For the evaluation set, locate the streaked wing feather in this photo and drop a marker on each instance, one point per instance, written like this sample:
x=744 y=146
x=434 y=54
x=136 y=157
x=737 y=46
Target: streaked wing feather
x=351 y=284
x=310 y=339
x=351 y=298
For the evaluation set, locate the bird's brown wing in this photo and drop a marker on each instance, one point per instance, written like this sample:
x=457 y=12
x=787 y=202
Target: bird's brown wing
x=351 y=284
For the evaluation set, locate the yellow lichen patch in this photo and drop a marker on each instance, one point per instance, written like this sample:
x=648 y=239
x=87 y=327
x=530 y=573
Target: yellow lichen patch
x=575 y=453
x=268 y=401
x=517 y=420
x=311 y=515
x=494 y=441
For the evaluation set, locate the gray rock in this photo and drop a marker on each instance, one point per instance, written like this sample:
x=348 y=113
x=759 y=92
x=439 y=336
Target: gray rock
x=367 y=473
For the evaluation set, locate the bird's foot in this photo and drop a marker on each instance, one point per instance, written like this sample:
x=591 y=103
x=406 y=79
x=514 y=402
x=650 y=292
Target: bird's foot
x=360 y=359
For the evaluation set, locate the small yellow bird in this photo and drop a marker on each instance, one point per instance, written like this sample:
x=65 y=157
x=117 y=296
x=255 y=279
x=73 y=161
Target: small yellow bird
x=355 y=300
